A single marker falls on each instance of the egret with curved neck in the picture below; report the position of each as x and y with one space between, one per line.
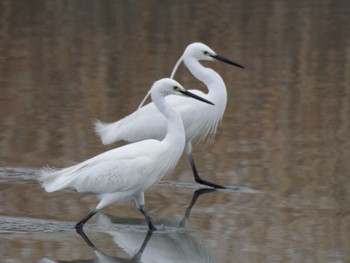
203 121
125 173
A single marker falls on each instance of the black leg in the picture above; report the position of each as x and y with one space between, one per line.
86 239
79 225
197 178
150 224
138 255
196 195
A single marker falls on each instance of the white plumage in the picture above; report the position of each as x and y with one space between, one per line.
200 120
126 172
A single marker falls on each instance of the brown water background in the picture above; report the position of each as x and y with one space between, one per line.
284 139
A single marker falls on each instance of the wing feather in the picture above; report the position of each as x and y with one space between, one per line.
199 121
116 170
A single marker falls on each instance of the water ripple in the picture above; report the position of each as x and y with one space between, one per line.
15 173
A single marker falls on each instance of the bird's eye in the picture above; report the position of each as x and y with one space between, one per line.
176 88
205 52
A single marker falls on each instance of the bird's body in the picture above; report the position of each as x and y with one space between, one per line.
126 172
143 120
200 124
108 174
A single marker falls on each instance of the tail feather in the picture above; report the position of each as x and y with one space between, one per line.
106 131
57 179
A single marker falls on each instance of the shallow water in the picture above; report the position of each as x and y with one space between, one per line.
283 146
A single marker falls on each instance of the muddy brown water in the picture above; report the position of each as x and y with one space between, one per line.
283 144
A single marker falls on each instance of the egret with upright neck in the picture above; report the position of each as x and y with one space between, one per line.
200 120
125 173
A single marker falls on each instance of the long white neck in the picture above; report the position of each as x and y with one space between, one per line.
197 69
176 132
217 92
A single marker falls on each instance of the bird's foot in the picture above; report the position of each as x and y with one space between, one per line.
151 226
79 227
207 183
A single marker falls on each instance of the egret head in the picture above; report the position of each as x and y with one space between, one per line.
169 86
200 51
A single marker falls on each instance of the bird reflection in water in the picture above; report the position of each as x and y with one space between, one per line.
173 245
104 258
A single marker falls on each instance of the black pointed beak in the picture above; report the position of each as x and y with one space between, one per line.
226 60
190 94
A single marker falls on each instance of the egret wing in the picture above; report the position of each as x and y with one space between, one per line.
145 123
120 169
148 123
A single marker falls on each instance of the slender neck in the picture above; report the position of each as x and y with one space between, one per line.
176 131
197 69
217 92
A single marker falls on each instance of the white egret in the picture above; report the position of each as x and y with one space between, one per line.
126 172
200 120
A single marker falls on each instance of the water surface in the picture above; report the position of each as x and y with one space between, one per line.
283 144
